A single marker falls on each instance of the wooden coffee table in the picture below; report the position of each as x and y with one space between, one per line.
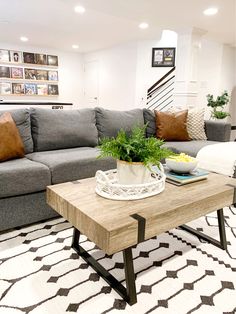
118 225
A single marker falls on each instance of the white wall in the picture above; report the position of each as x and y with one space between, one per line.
70 72
217 72
125 72
117 76
147 75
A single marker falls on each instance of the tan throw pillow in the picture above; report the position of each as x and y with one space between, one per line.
11 145
172 126
196 124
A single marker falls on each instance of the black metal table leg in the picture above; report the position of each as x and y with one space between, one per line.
221 225
130 276
222 244
129 293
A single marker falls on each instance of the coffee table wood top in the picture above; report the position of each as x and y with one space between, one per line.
109 224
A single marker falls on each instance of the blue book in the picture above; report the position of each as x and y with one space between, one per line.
181 179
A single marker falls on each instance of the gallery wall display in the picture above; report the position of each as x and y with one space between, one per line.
27 73
163 57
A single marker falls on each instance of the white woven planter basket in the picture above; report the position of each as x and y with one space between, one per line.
108 186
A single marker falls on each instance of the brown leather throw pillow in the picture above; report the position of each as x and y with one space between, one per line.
11 145
172 126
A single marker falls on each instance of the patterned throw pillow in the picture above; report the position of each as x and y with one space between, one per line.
195 124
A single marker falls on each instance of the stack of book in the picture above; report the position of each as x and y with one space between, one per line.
185 178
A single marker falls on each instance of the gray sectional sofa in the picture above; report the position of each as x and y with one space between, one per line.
61 146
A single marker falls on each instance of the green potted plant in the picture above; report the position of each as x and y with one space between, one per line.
135 154
218 104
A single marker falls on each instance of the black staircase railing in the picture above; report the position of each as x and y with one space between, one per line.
160 94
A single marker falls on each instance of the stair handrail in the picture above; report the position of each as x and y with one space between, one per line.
160 80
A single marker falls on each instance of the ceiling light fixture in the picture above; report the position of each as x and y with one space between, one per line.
23 38
210 11
79 9
143 25
75 46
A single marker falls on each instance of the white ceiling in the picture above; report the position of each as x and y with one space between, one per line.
54 24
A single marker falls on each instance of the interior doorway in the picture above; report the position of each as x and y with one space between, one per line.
91 77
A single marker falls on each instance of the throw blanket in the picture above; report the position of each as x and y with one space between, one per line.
220 158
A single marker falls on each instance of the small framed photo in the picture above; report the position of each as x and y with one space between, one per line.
30 89
16 56
4 55
17 73
30 74
52 75
18 88
163 57
42 75
53 90
52 60
42 89
4 72
40 58
28 57
5 88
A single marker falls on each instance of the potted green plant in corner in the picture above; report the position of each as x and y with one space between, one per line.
218 104
135 154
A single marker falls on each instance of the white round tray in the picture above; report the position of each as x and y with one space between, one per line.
108 186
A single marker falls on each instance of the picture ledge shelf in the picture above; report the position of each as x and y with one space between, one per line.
16 64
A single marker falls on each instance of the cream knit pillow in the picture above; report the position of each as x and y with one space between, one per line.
195 124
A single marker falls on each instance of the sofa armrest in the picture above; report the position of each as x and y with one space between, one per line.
217 131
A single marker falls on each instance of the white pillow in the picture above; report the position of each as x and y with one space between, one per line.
195 124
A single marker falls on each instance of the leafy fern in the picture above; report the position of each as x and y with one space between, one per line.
135 147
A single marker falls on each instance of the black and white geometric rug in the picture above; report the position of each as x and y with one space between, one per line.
176 273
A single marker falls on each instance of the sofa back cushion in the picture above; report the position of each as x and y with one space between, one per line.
150 120
59 129
109 122
21 118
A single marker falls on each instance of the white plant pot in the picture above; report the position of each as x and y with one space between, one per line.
132 173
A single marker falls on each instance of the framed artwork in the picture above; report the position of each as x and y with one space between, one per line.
53 90
17 73
16 56
28 57
42 75
52 60
42 89
52 75
30 89
163 57
30 74
40 58
18 88
5 88
4 55
4 72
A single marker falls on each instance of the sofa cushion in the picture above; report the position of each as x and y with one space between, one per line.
22 121
23 176
59 129
188 147
72 164
109 122
11 145
150 120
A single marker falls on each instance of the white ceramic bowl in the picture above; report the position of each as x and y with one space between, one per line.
181 166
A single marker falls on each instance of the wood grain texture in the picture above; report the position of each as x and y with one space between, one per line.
108 222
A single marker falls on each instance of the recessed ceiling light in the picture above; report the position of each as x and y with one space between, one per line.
23 38
75 46
210 11
143 25
79 9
